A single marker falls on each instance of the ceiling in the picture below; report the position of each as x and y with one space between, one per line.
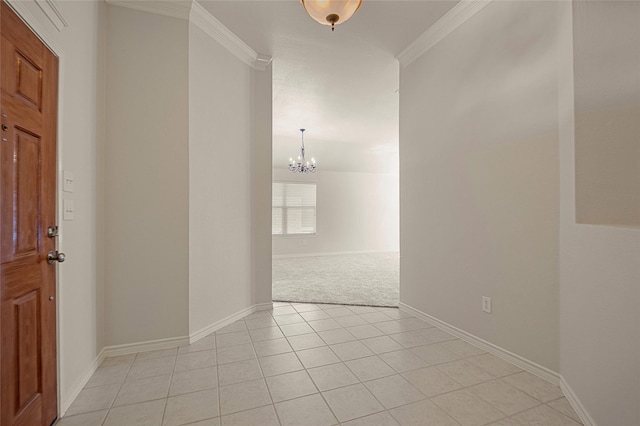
342 86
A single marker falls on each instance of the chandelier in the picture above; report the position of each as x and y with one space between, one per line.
300 166
331 12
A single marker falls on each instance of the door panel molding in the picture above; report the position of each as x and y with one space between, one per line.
39 27
28 154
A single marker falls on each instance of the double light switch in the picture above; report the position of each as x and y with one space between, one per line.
67 186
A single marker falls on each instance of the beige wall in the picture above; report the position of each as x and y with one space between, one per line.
608 165
599 265
356 212
261 150
607 113
146 177
101 129
219 184
479 181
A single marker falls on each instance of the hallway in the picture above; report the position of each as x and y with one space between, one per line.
306 364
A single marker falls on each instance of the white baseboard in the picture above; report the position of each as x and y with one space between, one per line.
126 349
332 253
577 406
525 364
151 345
205 331
264 306
79 384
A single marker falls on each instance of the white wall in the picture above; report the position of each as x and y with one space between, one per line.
355 212
78 298
146 177
599 265
78 304
479 181
219 182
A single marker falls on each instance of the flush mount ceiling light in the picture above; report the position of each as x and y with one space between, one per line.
331 12
301 166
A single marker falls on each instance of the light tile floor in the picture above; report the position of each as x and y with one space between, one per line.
310 364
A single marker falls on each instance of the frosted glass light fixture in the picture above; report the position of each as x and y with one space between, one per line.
331 12
301 165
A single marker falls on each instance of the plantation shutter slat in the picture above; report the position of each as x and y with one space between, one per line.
293 208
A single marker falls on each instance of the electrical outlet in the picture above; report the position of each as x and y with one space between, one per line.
486 304
67 209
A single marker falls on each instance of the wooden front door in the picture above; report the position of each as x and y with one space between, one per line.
27 209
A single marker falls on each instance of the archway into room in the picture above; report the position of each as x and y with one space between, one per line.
340 245
335 231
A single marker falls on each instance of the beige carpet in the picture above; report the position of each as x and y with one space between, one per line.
355 279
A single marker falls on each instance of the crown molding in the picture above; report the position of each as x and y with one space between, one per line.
52 12
44 34
172 8
193 12
200 17
217 31
458 15
262 62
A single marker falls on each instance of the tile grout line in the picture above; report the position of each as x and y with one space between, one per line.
303 366
166 402
215 341
309 375
119 389
125 380
494 378
360 340
400 373
264 379
341 362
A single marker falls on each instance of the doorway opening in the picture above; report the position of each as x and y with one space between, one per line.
335 232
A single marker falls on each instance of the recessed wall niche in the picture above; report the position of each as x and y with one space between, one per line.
606 37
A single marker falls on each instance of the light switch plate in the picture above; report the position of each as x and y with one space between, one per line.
68 210
486 304
67 181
